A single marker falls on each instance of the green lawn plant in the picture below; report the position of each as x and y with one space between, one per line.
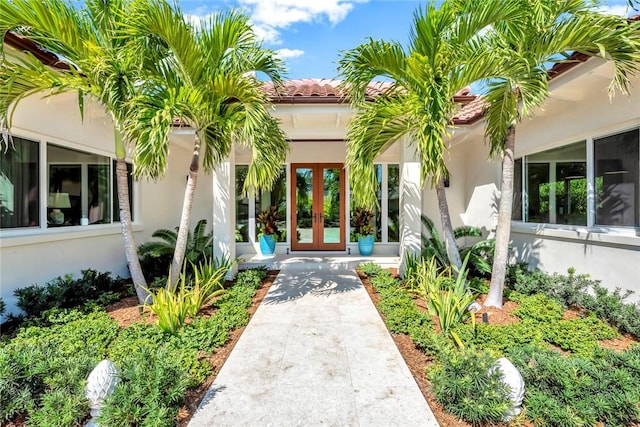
43 369
465 385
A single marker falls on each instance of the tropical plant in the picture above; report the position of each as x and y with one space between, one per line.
541 32
171 307
94 62
207 80
420 102
448 298
207 284
361 222
268 220
480 253
199 245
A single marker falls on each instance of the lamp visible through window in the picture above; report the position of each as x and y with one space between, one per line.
58 201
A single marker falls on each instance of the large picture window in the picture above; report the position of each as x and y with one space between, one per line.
20 185
617 163
77 188
558 189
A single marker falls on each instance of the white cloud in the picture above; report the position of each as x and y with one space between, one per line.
615 9
271 16
289 53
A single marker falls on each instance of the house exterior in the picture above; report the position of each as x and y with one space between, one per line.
577 198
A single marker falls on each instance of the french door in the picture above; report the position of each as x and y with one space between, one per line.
318 206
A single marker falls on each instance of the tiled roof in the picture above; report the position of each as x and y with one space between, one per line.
327 91
310 90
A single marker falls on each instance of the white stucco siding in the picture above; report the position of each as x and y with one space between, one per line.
37 255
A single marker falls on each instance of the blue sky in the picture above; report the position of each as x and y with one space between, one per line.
309 34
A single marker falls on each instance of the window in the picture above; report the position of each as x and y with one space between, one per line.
19 185
242 205
556 186
390 208
277 197
558 191
393 211
617 164
79 187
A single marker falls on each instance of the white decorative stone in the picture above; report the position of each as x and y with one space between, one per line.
511 378
100 384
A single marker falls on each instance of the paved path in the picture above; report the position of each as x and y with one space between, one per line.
316 352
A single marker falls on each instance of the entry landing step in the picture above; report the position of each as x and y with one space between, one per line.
315 261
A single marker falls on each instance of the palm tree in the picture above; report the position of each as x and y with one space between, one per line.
208 82
96 63
542 31
421 102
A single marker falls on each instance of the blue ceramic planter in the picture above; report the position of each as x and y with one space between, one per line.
267 244
365 245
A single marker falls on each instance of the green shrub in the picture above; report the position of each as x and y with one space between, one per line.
537 307
204 334
577 390
251 278
400 311
499 338
463 384
579 291
578 335
427 340
151 389
67 292
43 369
370 269
382 282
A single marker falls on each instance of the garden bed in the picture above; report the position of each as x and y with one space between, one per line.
421 356
179 367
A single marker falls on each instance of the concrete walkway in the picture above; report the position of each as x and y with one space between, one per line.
316 352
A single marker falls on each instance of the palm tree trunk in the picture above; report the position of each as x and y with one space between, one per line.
503 231
130 248
185 219
447 229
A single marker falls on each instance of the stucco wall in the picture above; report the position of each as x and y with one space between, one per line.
36 255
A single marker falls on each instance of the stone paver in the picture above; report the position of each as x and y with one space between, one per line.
315 353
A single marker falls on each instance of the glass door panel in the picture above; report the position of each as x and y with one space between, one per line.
331 212
304 205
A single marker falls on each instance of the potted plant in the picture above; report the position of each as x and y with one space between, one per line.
362 229
268 220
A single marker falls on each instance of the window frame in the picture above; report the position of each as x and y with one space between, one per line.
591 226
70 232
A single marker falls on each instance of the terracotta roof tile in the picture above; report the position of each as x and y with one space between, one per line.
302 89
317 91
